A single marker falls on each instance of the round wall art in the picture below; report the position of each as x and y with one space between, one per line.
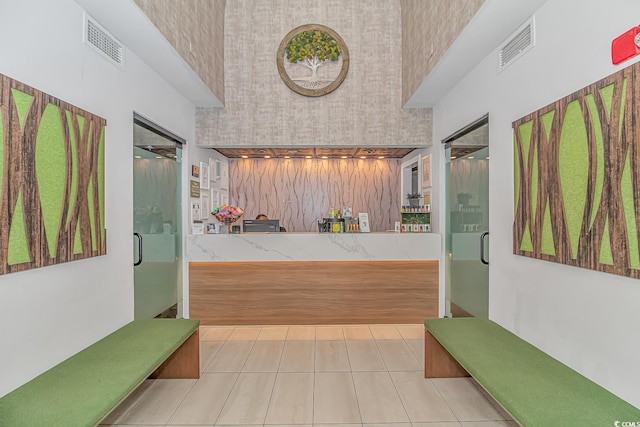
313 60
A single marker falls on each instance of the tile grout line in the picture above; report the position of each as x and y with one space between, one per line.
273 387
353 381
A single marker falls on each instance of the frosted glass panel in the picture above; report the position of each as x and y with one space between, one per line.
156 219
468 208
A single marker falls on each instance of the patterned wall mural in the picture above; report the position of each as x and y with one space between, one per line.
51 180
299 192
577 178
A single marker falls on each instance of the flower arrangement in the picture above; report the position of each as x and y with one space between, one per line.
227 214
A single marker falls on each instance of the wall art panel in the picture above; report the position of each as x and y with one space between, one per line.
300 192
51 180
577 178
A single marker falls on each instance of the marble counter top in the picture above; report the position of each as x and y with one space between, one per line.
314 247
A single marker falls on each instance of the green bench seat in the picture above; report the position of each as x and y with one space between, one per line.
536 389
85 388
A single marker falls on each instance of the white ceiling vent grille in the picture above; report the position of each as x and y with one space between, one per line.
103 42
519 43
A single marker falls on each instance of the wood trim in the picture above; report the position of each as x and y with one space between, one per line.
313 292
438 363
184 362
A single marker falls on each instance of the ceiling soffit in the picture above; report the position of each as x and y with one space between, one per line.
315 152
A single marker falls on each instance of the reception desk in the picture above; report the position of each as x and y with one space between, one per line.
311 278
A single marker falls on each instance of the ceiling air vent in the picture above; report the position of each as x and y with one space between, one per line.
519 43
103 42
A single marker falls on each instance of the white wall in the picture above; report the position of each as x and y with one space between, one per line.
586 319
50 313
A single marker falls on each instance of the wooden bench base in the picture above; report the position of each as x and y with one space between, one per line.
183 363
438 363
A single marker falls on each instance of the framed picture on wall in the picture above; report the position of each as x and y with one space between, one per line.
215 199
214 164
204 175
426 194
426 171
195 171
195 210
205 205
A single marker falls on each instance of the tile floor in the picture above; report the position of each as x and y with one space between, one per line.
311 376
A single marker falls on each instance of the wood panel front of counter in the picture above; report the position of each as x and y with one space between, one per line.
313 292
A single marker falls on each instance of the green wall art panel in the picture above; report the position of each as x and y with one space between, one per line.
577 183
51 180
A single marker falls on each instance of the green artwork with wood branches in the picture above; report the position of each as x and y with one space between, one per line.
577 178
51 180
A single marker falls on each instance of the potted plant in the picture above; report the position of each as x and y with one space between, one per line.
414 199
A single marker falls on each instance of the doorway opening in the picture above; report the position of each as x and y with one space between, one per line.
467 221
156 220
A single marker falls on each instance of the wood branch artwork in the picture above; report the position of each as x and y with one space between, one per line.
577 178
51 180
313 60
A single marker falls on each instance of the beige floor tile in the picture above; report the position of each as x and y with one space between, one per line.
486 424
158 404
249 399
208 350
387 425
505 414
244 334
411 332
378 399
335 399
452 424
331 356
292 399
337 425
364 356
298 356
300 333
203 403
385 332
357 333
264 357
329 333
216 334
116 415
397 356
420 398
231 357
465 400
417 348
273 333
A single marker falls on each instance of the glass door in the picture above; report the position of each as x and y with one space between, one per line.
467 229
156 222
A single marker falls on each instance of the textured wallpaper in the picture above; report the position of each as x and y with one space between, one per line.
429 28
365 110
299 192
195 28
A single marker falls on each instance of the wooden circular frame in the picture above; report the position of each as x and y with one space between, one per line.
293 85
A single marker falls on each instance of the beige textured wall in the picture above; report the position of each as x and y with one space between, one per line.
364 111
428 30
299 192
195 28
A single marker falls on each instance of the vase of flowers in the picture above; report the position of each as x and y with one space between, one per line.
228 214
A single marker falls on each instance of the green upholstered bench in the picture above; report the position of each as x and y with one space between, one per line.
536 389
82 390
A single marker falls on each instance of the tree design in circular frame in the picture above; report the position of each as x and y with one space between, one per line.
317 50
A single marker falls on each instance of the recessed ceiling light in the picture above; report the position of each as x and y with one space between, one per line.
487 157
363 157
471 157
245 157
324 157
138 157
287 157
267 157
381 157
454 157
158 157
343 157
307 157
